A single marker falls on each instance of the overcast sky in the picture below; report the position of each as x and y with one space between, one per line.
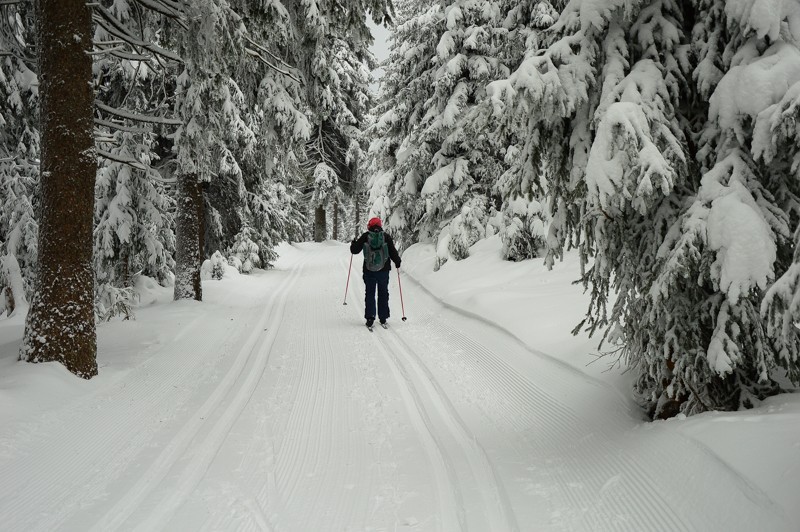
380 47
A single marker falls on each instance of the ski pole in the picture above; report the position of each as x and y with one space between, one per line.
348 279
402 306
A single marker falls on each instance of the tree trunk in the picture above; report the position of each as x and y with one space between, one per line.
189 226
320 224
357 222
357 198
335 235
61 322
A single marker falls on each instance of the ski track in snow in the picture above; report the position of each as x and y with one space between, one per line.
253 356
61 460
294 418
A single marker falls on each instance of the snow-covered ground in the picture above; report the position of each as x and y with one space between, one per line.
269 406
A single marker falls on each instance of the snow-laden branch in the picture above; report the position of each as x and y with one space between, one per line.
268 52
119 159
116 28
272 66
165 7
120 127
133 163
121 113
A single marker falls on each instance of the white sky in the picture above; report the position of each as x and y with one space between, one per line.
380 48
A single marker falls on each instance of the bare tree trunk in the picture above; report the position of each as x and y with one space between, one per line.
61 323
320 224
357 198
335 235
189 225
357 204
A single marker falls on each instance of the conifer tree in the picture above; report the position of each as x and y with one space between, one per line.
663 193
133 212
336 68
60 325
19 156
209 102
437 156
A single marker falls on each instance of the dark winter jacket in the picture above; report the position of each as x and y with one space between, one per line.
357 246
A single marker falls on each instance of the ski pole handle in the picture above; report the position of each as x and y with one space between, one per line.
348 279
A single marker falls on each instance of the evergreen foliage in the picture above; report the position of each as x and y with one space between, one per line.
439 152
655 136
672 203
19 154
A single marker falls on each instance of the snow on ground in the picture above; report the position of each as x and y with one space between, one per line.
269 406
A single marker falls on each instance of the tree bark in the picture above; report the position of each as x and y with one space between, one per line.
357 220
189 226
335 235
356 197
320 224
61 322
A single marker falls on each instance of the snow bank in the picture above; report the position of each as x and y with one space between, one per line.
540 307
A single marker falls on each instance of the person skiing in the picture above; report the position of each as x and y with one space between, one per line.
378 248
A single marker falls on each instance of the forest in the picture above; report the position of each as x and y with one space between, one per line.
657 139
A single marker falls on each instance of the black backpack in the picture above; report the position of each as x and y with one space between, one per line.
376 251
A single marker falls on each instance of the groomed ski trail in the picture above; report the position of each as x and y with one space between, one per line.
223 406
291 417
437 422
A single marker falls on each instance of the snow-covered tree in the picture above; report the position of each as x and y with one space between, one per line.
133 226
133 211
210 103
19 158
437 153
671 203
338 96
60 324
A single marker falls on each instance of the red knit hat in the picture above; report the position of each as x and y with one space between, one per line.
374 222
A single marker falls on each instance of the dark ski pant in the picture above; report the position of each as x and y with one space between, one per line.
379 280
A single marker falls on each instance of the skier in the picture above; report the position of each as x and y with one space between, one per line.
378 248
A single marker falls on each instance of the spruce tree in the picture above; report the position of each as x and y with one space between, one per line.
60 325
437 154
133 211
19 158
647 155
210 103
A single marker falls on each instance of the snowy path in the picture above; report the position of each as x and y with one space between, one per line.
273 408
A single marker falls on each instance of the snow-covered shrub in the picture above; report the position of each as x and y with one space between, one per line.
244 253
523 233
467 228
236 262
12 286
218 264
215 268
112 301
442 249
